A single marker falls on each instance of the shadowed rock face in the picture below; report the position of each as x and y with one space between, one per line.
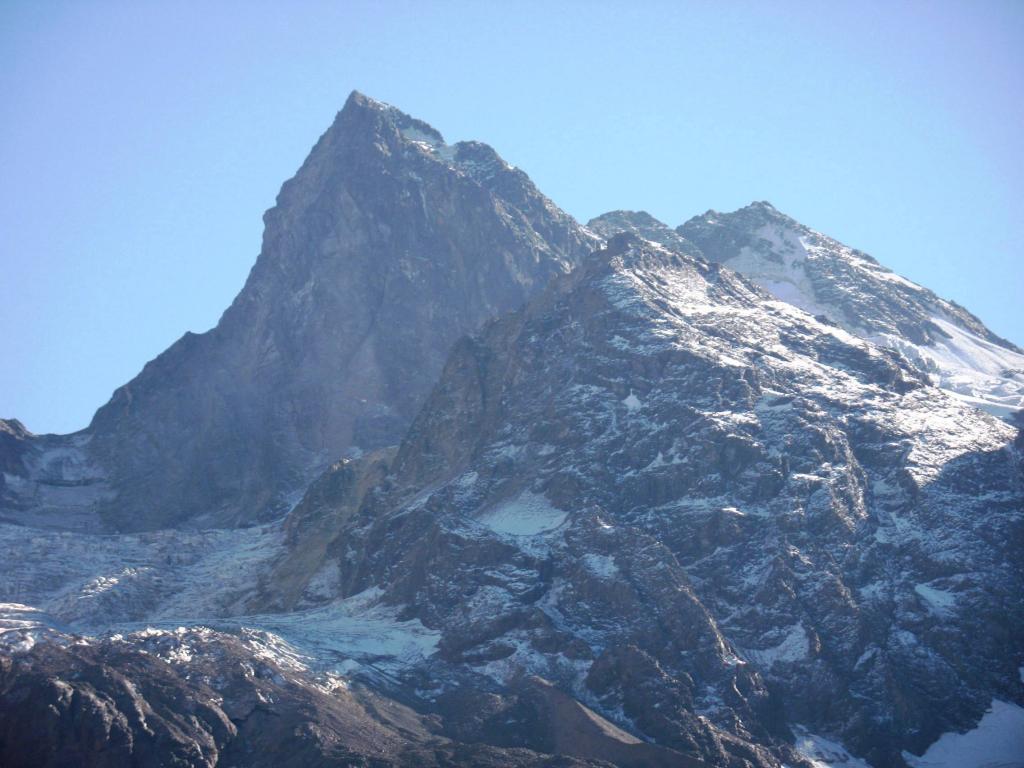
385 247
15 441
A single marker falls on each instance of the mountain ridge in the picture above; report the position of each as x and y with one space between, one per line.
329 347
816 273
579 497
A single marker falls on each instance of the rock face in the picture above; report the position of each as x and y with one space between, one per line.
706 514
386 247
15 441
826 278
654 516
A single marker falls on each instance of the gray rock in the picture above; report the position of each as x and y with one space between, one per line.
711 517
386 247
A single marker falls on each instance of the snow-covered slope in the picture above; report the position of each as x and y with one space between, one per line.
982 372
996 742
826 278
822 276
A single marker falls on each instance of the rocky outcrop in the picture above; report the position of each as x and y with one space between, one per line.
326 509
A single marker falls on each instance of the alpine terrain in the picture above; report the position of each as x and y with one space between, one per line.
457 481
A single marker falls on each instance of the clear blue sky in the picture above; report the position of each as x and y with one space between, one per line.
141 142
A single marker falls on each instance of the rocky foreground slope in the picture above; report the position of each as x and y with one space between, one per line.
655 517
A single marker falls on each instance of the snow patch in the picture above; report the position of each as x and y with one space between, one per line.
793 647
782 273
632 403
416 135
602 566
823 752
21 626
358 632
977 371
996 742
939 601
528 514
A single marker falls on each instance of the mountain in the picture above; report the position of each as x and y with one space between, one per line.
386 247
706 515
651 515
824 277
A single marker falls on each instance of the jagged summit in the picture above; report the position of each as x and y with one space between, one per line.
358 100
758 208
638 218
362 111
764 208
626 251
388 128
642 224
14 427
384 248
820 275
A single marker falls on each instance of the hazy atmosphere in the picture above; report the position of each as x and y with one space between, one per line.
141 143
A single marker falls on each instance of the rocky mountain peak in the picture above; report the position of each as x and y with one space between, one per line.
642 224
764 210
14 428
384 248
827 279
382 114
760 218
